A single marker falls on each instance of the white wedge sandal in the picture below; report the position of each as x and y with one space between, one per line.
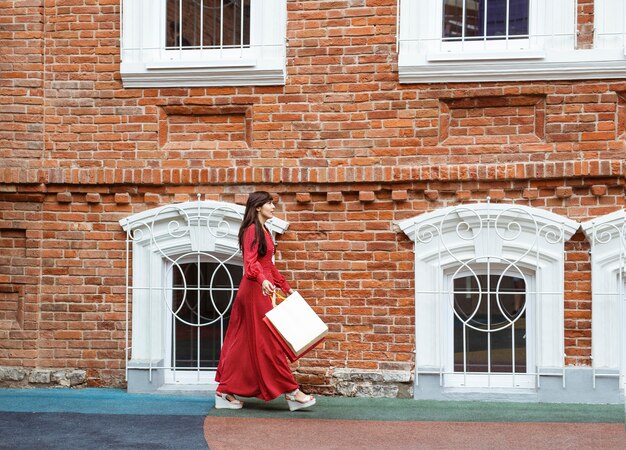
222 401
295 405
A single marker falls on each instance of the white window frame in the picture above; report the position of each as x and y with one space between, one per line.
155 235
494 380
607 236
549 54
147 63
439 249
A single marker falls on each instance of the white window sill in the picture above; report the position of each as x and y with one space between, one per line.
571 65
185 74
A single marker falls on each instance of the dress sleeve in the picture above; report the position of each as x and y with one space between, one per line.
280 280
251 266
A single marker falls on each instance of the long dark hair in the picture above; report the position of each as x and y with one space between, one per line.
255 200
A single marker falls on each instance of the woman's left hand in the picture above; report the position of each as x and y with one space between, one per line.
290 292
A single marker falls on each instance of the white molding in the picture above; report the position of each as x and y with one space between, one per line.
408 226
535 244
607 235
189 78
512 71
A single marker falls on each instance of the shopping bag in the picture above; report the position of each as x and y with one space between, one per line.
296 326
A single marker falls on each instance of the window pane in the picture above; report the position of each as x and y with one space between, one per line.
496 18
519 11
474 14
479 316
189 34
223 23
452 18
213 299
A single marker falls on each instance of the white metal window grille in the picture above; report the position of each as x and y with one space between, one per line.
201 297
213 24
483 20
183 272
489 294
487 309
493 40
607 235
173 43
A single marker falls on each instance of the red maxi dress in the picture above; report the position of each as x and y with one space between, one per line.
252 363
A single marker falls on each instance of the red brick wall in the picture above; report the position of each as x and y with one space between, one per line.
21 83
347 148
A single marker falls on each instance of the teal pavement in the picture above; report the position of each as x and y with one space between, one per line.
101 401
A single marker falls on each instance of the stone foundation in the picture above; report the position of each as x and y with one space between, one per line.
373 383
22 377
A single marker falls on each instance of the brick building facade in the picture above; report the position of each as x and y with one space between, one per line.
349 146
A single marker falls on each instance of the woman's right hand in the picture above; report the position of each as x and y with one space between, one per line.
267 287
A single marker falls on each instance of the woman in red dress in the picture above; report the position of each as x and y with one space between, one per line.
252 363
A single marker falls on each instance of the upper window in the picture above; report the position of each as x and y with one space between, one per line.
203 42
493 40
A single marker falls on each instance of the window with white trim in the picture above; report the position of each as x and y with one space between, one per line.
173 43
489 294
186 269
607 236
493 40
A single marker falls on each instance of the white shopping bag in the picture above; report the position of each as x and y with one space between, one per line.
295 324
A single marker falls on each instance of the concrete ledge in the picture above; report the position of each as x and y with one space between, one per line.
145 380
578 389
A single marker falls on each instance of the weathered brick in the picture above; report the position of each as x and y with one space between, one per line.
334 197
530 193
122 198
564 192
303 197
399 196
599 190
151 198
92 197
64 197
496 194
241 199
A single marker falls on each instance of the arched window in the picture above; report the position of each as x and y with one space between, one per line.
183 274
489 294
607 235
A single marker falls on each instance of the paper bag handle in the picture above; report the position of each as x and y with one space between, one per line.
282 297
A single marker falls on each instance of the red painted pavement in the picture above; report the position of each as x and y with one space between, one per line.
304 434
